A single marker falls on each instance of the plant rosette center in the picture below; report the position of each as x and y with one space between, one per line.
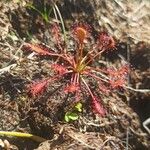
80 68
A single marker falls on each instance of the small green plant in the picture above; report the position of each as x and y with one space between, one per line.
45 13
78 107
77 66
73 115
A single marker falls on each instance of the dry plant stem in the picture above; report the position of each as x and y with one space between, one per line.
127 139
99 53
137 133
81 141
98 70
106 141
62 22
75 78
7 69
10 55
80 51
88 88
23 135
105 78
96 77
84 58
145 125
90 123
55 14
137 90
66 58
18 50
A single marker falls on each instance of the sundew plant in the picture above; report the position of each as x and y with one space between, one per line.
76 62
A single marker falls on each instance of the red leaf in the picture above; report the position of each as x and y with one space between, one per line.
117 83
97 107
59 68
56 32
106 40
38 87
41 50
71 88
118 77
103 88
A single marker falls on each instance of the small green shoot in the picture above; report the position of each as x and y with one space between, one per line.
73 115
22 135
45 13
78 107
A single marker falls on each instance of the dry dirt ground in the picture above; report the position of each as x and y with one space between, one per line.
122 128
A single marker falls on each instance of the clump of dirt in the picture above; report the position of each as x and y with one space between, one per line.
140 78
126 20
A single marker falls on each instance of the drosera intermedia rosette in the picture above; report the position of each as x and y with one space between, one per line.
78 66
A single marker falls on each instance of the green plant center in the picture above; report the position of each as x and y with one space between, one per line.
80 67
